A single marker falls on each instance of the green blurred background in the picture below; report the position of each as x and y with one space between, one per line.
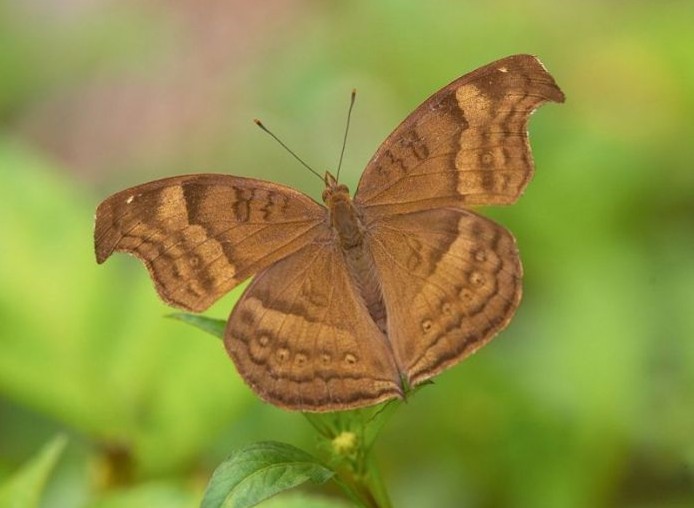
586 400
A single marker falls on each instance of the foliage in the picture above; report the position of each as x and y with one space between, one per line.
24 488
584 401
259 471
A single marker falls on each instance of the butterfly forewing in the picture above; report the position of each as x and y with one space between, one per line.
466 145
201 235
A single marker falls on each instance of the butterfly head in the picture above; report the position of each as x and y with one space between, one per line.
334 191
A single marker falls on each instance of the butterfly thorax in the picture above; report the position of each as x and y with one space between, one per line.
344 217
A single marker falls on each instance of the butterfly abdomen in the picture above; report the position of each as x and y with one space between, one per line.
360 264
349 231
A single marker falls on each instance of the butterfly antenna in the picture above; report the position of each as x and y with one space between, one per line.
260 124
344 140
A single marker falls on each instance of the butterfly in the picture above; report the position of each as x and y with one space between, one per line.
356 300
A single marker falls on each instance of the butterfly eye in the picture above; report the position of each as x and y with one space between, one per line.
343 188
326 194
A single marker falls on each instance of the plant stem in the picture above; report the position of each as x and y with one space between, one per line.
363 482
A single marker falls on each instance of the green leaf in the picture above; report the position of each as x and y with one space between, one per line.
23 489
260 471
206 324
302 500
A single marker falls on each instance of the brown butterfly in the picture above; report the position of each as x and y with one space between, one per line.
354 301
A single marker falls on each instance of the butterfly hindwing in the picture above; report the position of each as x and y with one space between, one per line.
302 338
451 280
